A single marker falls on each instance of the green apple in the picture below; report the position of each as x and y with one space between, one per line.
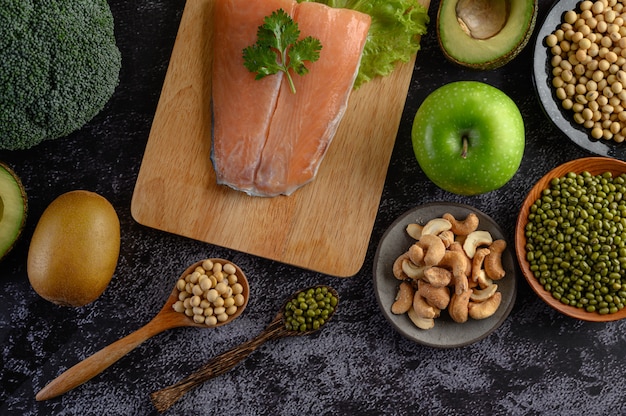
468 137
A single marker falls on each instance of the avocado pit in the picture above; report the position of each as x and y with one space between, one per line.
482 19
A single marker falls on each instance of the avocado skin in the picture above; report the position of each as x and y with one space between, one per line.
24 208
498 60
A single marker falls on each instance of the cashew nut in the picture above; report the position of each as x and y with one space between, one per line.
474 240
422 308
397 267
455 261
493 262
468 225
447 237
439 297
416 254
434 249
458 307
471 284
418 321
457 247
481 295
483 280
477 262
404 299
436 226
414 230
437 276
461 283
412 270
482 310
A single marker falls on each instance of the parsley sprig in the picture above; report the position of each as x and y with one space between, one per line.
278 48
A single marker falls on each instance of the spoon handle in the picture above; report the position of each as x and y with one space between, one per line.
98 362
163 399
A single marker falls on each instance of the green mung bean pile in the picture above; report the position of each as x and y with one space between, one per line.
576 241
310 309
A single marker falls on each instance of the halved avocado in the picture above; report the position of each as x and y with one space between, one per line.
485 34
13 208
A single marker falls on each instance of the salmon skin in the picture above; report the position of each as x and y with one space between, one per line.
266 140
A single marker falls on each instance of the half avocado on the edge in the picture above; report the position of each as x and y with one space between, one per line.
485 34
13 208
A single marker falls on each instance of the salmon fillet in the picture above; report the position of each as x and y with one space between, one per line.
242 107
268 141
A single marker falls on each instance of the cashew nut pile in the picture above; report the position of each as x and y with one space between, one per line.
451 265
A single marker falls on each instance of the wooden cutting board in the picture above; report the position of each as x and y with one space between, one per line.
324 226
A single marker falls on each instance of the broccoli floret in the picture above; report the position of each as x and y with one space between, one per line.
59 66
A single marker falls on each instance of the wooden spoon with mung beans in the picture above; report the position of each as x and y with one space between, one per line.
277 328
167 318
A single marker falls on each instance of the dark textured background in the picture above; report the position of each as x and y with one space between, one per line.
537 362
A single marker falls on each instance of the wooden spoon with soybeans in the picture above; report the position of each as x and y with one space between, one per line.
227 287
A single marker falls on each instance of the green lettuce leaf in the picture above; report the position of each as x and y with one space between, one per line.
394 35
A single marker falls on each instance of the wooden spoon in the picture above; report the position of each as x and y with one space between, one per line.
163 399
167 318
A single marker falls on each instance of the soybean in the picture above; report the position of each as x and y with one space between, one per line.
589 67
571 242
210 294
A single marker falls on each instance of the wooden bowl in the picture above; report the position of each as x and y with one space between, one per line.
595 166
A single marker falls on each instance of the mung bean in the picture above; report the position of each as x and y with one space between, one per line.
310 309
575 254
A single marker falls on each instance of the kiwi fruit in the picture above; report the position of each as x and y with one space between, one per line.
74 250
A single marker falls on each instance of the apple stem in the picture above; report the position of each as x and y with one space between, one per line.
465 145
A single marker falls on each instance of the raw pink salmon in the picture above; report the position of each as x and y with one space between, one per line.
268 141
242 106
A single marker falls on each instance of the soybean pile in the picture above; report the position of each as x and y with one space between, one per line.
589 66
576 241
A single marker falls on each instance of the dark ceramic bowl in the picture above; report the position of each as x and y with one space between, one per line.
446 333
542 78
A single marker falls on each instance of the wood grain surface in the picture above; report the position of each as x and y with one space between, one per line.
324 226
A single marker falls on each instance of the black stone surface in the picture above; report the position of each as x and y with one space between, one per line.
537 362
